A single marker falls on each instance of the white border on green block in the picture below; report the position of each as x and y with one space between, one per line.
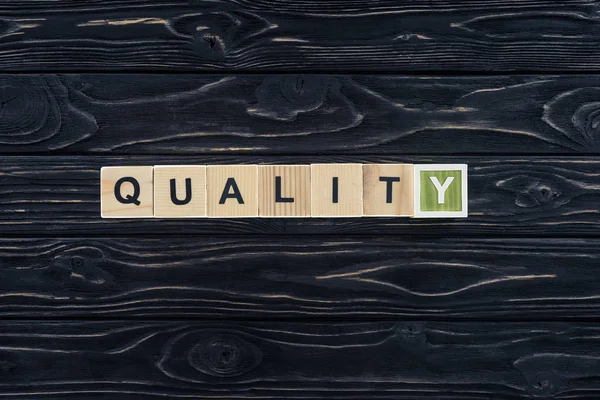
464 191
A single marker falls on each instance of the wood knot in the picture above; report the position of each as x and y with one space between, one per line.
284 97
79 269
548 373
35 112
576 114
412 335
224 355
212 352
216 33
530 191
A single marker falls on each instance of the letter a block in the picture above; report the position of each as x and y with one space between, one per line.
126 192
336 190
284 191
232 191
441 191
179 191
388 190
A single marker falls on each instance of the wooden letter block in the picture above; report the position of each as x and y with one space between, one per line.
179 191
336 190
388 190
232 191
284 191
126 192
441 191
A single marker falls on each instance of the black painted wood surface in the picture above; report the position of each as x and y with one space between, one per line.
502 305
284 35
287 113
376 360
299 277
507 196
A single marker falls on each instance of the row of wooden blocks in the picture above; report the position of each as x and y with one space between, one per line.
317 190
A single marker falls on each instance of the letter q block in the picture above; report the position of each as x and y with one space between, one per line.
126 192
441 191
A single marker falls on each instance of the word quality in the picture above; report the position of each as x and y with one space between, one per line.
317 190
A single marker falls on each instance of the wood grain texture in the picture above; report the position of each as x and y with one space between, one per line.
298 114
194 35
232 191
299 277
383 360
336 190
508 196
291 198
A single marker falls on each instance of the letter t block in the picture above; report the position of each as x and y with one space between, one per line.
388 190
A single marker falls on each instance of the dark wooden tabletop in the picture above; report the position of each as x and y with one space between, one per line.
502 305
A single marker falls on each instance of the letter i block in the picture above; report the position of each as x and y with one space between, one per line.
441 191
388 190
232 191
179 191
284 191
336 190
126 192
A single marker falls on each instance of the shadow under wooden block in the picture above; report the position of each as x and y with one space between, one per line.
336 190
179 191
126 192
388 190
441 191
284 191
232 190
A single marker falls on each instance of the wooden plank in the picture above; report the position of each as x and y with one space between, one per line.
378 360
508 196
182 35
298 114
299 277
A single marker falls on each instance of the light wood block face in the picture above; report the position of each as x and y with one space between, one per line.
336 190
388 190
232 191
126 192
179 191
284 191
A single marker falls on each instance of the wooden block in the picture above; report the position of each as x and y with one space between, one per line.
336 190
388 190
232 190
441 191
284 191
180 191
126 192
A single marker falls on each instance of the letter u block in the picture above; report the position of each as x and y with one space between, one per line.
126 192
179 191
441 191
